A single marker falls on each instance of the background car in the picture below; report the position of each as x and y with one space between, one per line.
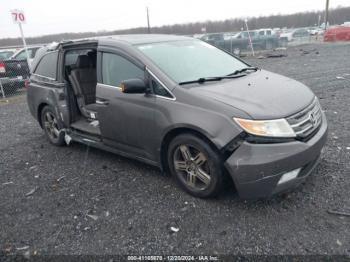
21 54
261 39
5 54
315 31
15 71
294 34
339 33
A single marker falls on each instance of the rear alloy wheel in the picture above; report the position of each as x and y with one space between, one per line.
51 126
195 165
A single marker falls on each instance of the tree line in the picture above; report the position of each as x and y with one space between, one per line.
336 16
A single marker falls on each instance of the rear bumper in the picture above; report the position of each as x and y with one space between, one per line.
256 169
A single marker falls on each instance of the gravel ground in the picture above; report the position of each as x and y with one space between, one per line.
75 200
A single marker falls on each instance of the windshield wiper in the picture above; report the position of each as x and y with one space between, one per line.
208 79
235 74
239 71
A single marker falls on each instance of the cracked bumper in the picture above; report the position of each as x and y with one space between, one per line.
257 168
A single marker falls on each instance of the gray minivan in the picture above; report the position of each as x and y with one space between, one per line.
181 104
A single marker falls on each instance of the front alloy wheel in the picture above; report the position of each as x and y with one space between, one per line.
195 165
192 166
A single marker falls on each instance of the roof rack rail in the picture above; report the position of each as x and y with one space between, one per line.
52 46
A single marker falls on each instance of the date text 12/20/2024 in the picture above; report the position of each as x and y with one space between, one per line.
173 258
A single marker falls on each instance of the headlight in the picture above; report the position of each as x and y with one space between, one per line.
266 128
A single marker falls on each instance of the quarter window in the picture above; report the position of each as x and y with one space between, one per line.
158 89
47 66
116 69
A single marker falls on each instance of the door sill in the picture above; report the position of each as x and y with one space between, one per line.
89 127
97 142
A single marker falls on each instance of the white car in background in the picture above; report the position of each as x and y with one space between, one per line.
21 53
266 32
315 31
294 34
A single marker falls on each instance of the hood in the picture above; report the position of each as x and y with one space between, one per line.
262 95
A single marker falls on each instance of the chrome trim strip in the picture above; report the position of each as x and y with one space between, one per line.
315 112
301 122
173 98
116 87
164 97
50 78
305 130
99 102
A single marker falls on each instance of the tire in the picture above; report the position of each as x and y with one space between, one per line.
196 166
52 126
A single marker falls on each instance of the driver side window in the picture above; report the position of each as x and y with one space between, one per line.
116 69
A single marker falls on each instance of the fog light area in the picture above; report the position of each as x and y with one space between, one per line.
289 176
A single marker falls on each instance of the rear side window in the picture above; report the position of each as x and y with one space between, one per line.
116 69
47 66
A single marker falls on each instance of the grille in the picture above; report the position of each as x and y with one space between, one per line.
308 120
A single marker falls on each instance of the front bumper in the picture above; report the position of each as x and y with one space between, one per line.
257 168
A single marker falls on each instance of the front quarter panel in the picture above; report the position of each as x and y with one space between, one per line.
208 117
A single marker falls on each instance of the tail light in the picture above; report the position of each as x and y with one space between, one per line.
2 68
26 84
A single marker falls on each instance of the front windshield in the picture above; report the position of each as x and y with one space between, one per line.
189 60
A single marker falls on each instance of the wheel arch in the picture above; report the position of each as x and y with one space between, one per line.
171 134
40 109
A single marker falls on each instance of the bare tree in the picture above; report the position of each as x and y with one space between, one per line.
336 16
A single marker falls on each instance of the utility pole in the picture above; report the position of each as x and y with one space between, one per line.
326 15
148 26
250 39
319 20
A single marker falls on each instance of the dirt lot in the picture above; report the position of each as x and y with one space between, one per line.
75 200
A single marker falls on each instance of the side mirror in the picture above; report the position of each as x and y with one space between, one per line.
133 86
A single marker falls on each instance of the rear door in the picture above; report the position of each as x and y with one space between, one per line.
126 120
46 86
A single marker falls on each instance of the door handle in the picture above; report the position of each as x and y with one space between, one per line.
102 102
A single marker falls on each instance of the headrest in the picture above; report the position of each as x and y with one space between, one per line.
92 55
83 61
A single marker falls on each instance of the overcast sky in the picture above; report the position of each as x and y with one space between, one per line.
49 17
